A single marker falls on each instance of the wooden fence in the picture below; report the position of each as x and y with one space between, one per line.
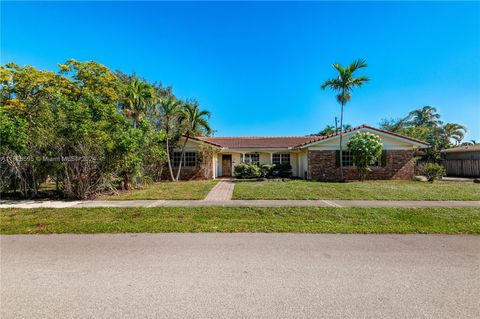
467 168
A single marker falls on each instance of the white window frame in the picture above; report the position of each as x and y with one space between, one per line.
346 153
251 158
283 158
189 159
347 159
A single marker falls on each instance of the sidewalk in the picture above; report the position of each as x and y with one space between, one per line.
237 203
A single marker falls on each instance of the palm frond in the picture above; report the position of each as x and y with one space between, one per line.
358 82
358 64
333 84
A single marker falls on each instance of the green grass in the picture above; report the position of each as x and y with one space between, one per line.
245 219
376 190
167 190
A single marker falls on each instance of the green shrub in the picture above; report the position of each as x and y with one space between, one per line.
245 171
433 171
267 170
282 170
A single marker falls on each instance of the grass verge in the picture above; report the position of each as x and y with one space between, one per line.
231 219
167 190
368 190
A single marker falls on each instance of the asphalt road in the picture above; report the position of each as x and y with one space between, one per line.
240 276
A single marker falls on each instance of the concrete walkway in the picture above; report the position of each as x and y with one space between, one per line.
238 203
222 191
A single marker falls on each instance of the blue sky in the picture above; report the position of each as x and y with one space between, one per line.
258 67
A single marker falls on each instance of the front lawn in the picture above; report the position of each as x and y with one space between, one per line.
376 190
245 219
167 190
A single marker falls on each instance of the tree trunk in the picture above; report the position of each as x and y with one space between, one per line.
181 158
341 140
169 162
125 181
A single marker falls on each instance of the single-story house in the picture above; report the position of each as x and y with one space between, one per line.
311 157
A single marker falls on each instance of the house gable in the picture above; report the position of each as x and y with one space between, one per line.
391 141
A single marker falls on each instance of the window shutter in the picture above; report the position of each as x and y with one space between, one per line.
384 158
337 158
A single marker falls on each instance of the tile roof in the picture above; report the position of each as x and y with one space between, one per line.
283 141
260 141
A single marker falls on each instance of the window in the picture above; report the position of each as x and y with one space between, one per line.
189 159
251 158
278 158
347 158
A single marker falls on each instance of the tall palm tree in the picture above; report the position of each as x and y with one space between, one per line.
139 97
425 116
344 84
170 110
453 131
196 122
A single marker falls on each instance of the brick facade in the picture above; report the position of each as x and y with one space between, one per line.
322 166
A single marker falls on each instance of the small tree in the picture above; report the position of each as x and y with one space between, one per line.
366 148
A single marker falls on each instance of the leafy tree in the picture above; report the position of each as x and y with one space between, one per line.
71 118
13 133
425 124
75 127
88 127
27 96
344 84
195 122
366 148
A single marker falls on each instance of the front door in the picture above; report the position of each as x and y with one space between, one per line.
227 165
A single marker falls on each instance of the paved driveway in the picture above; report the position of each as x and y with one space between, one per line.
240 276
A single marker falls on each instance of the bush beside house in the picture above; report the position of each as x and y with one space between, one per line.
249 171
433 171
